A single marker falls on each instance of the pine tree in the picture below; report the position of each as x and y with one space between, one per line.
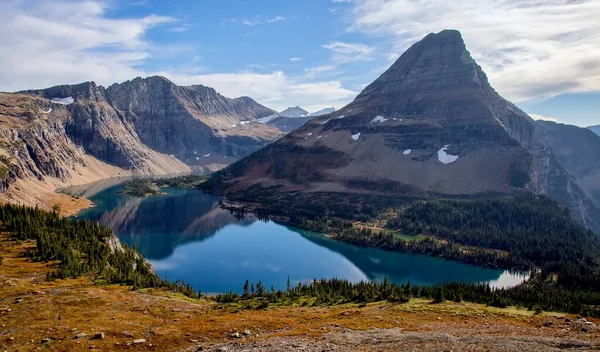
439 295
246 289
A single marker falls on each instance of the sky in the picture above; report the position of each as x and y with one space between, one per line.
542 55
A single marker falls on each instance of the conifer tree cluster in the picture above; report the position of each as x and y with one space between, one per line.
81 247
517 232
536 294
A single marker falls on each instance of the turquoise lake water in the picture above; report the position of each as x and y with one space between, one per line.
186 235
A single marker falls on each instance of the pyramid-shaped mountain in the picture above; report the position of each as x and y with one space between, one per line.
294 112
430 125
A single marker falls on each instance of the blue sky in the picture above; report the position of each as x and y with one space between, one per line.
544 56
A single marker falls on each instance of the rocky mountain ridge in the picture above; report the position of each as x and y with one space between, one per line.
430 125
79 133
595 129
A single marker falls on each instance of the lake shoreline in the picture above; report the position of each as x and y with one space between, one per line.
258 250
247 207
237 207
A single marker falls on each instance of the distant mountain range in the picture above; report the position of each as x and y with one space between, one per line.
323 112
430 126
595 129
292 118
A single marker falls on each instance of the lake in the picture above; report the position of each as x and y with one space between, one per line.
186 235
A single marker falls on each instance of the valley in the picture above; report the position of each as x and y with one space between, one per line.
428 213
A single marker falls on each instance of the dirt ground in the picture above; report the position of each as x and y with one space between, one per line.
76 315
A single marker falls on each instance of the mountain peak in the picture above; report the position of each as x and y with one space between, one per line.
437 64
430 125
294 112
441 51
446 35
158 78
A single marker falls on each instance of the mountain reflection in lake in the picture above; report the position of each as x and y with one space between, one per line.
187 236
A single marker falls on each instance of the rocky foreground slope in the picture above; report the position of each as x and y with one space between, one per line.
430 125
79 133
77 315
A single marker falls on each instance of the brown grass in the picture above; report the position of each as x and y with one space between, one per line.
169 322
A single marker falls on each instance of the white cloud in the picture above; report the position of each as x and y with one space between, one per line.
275 90
275 19
295 59
530 49
179 29
319 69
348 52
48 43
258 21
545 118
64 42
322 72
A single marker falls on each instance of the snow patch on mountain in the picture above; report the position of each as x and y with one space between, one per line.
266 119
445 157
63 101
379 119
356 136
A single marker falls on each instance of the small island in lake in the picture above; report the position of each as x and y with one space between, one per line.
146 187
142 187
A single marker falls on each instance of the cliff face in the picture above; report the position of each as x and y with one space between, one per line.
33 145
577 151
430 125
144 126
195 124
